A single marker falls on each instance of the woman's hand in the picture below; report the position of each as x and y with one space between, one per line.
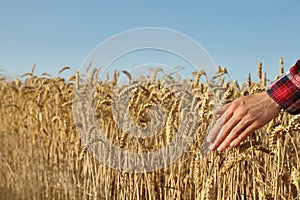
240 118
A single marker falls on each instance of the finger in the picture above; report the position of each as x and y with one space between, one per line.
215 129
225 130
234 133
221 110
213 133
249 130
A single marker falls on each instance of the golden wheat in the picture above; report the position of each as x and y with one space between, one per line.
43 157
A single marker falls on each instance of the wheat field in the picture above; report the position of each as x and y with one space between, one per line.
43 157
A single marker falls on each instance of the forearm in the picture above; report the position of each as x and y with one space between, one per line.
286 90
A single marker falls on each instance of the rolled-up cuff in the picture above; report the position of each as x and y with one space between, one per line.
286 90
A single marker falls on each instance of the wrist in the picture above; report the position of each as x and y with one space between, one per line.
273 103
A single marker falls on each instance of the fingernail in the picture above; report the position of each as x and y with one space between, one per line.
220 149
211 147
232 144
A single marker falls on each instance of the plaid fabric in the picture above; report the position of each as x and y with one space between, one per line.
286 90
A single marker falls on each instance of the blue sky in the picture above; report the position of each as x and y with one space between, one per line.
237 34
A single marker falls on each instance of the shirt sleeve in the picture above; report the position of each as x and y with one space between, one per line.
286 90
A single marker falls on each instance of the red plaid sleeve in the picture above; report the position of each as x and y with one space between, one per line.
286 90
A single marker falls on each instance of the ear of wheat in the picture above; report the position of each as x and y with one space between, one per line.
44 156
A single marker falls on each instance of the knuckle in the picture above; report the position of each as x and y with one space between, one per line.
225 129
238 116
227 116
234 105
252 117
235 133
257 123
243 112
247 122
